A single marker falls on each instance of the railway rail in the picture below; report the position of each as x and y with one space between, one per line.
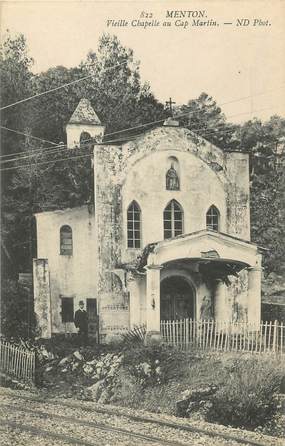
104 424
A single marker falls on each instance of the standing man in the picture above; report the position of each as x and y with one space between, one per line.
81 322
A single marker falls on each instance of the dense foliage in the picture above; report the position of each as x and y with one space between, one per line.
153 364
248 397
17 311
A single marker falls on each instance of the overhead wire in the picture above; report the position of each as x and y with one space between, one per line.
51 90
90 154
27 134
175 117
60 147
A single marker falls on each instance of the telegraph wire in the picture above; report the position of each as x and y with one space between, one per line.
52 151
193 112
28 135
163 119
55 150
51 90
90 154
44 162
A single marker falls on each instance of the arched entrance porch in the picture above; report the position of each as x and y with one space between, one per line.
177 298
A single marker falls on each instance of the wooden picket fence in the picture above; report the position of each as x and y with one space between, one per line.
17 361
225 336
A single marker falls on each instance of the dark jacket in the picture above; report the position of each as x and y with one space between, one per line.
81 320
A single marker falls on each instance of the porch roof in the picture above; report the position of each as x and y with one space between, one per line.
201 247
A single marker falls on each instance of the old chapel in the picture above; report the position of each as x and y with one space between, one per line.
167 236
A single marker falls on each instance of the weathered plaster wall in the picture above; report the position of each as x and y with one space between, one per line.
238 200
42 296
136 171
110 289
207 176
238 296
70 276
73 132
200 188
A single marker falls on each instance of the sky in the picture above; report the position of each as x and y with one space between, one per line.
228 62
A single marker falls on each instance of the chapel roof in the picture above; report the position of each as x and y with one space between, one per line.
84 114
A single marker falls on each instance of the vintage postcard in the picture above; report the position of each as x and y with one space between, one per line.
142 222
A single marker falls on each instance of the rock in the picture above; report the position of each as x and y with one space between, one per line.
93 362
105 397
111 373
146 368
63 361
193 406
88 369
78 355
74 366
96 377
181 407
96 389
202 392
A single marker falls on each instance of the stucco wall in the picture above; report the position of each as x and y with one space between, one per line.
238 199
42 296
137 170
70 276
145 183
110 289
73 132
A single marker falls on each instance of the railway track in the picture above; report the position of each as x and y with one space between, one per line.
104 424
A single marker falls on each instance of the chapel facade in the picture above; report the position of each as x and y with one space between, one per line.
166 238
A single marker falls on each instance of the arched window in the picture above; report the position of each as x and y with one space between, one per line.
85 140
173 220
213 218
66 248
134 225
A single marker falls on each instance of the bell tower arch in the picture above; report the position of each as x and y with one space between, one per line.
83 121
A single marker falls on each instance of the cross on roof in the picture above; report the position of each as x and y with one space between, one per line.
168 105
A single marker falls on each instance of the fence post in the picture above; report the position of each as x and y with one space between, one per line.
187 333
274 336
281 338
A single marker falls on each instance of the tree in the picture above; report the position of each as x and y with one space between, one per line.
114 89
205 118
15 85
262 141
17 310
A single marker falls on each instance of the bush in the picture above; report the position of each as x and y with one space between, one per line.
128 391
154 364
17 311
247 398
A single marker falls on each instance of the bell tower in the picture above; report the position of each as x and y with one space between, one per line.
83 126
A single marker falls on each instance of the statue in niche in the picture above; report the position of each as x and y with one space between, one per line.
206 310
172 180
